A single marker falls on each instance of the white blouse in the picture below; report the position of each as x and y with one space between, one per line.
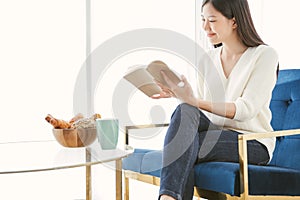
249 86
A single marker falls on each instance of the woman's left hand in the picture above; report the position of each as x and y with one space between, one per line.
183 91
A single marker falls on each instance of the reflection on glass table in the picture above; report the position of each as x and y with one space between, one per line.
35 156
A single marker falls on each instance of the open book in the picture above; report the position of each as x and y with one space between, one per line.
144 77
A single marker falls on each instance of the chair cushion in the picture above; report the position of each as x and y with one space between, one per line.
151 163
144 161
134 161
218 176
263 180
223 176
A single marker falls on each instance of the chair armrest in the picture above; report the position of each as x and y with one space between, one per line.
243 160
256 136
142 126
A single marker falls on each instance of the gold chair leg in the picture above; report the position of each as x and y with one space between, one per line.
126 195
88 178
88 182
119 179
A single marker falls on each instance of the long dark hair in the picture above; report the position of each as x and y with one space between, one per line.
238 9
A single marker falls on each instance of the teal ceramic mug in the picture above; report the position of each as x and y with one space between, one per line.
107 133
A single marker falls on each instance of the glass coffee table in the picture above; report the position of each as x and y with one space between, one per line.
37 156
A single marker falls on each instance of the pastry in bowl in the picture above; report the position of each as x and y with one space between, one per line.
77 132
79 137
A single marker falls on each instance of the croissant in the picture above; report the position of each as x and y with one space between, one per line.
57 123
86 122
96 116
76 118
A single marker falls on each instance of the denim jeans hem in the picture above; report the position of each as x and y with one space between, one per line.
170 193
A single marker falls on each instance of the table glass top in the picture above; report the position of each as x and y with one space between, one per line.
19 157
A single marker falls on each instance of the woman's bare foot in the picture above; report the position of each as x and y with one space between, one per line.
166 197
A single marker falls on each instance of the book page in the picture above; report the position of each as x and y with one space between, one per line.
155 68
142 80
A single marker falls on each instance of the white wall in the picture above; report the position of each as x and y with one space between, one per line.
281 31
276 23
42 48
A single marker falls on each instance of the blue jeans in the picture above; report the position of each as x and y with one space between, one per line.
191 139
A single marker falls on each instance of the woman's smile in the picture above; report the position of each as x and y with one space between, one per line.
210 35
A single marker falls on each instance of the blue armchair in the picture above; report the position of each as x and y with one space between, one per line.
223 180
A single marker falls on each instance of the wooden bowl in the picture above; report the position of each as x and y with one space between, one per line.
75 137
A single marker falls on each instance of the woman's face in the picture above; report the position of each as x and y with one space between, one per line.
218 28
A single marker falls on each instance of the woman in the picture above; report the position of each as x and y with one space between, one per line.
234 97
